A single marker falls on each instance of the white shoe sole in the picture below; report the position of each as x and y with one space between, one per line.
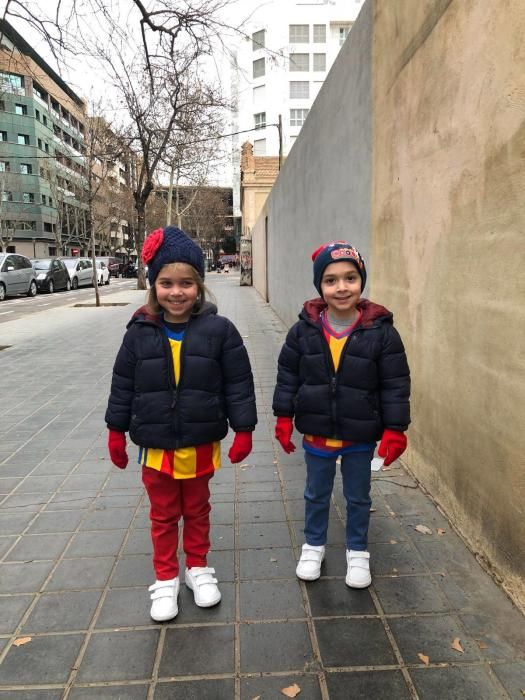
358 585
311 577
165 617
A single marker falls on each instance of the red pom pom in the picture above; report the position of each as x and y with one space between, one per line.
151 245
316 252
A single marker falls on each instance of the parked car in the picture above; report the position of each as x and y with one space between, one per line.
16 276
80 271
113 264
51 275
103 275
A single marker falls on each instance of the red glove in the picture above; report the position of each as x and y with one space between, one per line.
117 449
283 433
241 447
392 445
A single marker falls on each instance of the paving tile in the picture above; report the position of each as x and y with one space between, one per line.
363 685
271 600
34 547
512 677
222 514
271 686
113 692
262 511
65 611
197 651
12 609
223 563
95 544
432 636
189 613
353 642
494 635
31 694
67 500
114 656
125 607
26 577
270 563
81 573
221 537
40 484
107 519
385 529
6 543
139 542
260 653
400 558
219 689
44 660
404 594
264 535
133 570
57 521
14 523
454 683
118 500
329 597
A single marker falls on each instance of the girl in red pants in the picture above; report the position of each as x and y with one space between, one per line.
181 377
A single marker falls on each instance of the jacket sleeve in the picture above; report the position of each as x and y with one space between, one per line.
238 382
118 413
287 376
394 382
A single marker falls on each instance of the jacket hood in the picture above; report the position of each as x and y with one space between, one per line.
143 315
370 312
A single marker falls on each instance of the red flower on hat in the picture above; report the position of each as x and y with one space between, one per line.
152 244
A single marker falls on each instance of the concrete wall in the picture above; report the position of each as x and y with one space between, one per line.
437 208
324 188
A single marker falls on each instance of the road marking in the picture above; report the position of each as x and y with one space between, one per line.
2 313
48 304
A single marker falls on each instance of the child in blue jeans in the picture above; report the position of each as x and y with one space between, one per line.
343 375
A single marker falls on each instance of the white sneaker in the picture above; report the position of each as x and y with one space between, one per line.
164 596
309 566
204 586
358 571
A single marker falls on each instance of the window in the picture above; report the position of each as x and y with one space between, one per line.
3 135
44 120
39 143
44 199
299 89
10 80
39 92
259 68
4 166
51 249
299 62
50 201
11 248
7 196
26 169
259 147
258 96
260 120
2 106
37 114
28 197
21 109
319 33
23 139
258 40
48 228
343 33
299 33
46 147
319 61
298 116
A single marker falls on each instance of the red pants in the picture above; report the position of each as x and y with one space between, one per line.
170 499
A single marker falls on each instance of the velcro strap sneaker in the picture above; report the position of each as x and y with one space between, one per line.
201 581
358 570
309 565
164 595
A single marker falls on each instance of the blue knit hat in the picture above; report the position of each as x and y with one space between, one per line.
170 245
336 251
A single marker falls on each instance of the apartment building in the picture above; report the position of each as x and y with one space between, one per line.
43 209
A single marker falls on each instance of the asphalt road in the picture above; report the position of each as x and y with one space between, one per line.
22 306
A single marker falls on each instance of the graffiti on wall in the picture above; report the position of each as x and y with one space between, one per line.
246 262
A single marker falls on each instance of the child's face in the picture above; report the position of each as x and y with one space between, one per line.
341 288
177 291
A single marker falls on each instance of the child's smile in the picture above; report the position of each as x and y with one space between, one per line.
341 288
177 293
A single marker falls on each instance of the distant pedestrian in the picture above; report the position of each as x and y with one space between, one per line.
343 375
181 375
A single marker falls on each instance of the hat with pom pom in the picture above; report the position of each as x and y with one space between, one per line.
170 245
336 251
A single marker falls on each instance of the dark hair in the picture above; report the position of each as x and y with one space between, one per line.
152 302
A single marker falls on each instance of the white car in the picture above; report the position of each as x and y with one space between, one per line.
103 275
80 271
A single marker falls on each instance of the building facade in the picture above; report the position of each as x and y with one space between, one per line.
43 208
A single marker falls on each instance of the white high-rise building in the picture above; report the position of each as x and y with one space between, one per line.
280 67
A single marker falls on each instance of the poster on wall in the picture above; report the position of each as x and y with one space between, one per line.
246 262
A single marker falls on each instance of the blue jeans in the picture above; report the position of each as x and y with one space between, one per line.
320 473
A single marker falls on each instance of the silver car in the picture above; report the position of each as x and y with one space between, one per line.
80 271
16 276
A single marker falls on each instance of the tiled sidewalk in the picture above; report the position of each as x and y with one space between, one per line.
75 555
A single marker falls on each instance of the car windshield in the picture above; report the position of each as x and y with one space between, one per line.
2 258
71 263
42 264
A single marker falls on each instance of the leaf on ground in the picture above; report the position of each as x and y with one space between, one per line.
393 541
20 642
291 691
275 461
243 466
456 645
424 659
440 531
482 644
373 510
423 529
257 697
273 559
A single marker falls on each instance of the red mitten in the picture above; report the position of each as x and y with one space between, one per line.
241 447
283 433
117 449
392 445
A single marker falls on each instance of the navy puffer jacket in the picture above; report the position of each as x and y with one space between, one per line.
368 393
215 387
